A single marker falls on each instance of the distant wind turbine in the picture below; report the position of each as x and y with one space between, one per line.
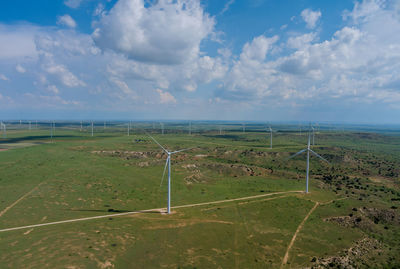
4 129
270 131
168 163
51 131
92 128
308 149
313 135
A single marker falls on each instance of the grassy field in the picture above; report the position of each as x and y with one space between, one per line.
356 221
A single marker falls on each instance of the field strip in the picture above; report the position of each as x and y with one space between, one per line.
229 145
19 200
286 257
142 211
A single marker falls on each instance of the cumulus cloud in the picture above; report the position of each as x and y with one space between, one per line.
17 41
311 17
166 32
257 49
166 97
20 69
73 3
53 89
359 63
66 20
3 77
301 41
65 76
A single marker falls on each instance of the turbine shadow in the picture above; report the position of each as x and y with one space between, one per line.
114 211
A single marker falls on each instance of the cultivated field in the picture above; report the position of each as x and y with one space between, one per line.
236 202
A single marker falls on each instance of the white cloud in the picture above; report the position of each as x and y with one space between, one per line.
99 10
166 32
17 41
301 41
53 89
311 17
20 69
65 76
359 63
226 6
73 3
66 20
166 97
127 92
257 49
3 77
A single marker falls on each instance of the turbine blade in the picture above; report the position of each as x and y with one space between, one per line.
319 156
181 150
298 153
157 143
163 174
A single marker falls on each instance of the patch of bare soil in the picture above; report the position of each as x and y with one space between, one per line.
236 170
3 149
128 154
366 218
352 257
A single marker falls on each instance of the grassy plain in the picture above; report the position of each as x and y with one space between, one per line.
75 175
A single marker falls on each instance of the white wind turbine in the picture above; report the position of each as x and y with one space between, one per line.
168 163
270 131
313 135
4 129
308 149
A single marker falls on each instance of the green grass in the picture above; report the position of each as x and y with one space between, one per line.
83 176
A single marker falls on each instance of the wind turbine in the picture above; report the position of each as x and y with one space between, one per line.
190 127
51 131
308 149
129 127
168 163
4 129
92 128
313 135
244 127
270 131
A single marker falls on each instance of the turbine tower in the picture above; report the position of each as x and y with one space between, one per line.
270 131
51 131
313 135
168 163
309 150
4 129
92 128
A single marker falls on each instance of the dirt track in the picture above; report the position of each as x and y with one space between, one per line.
134 212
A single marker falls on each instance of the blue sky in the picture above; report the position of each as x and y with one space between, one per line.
218 60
